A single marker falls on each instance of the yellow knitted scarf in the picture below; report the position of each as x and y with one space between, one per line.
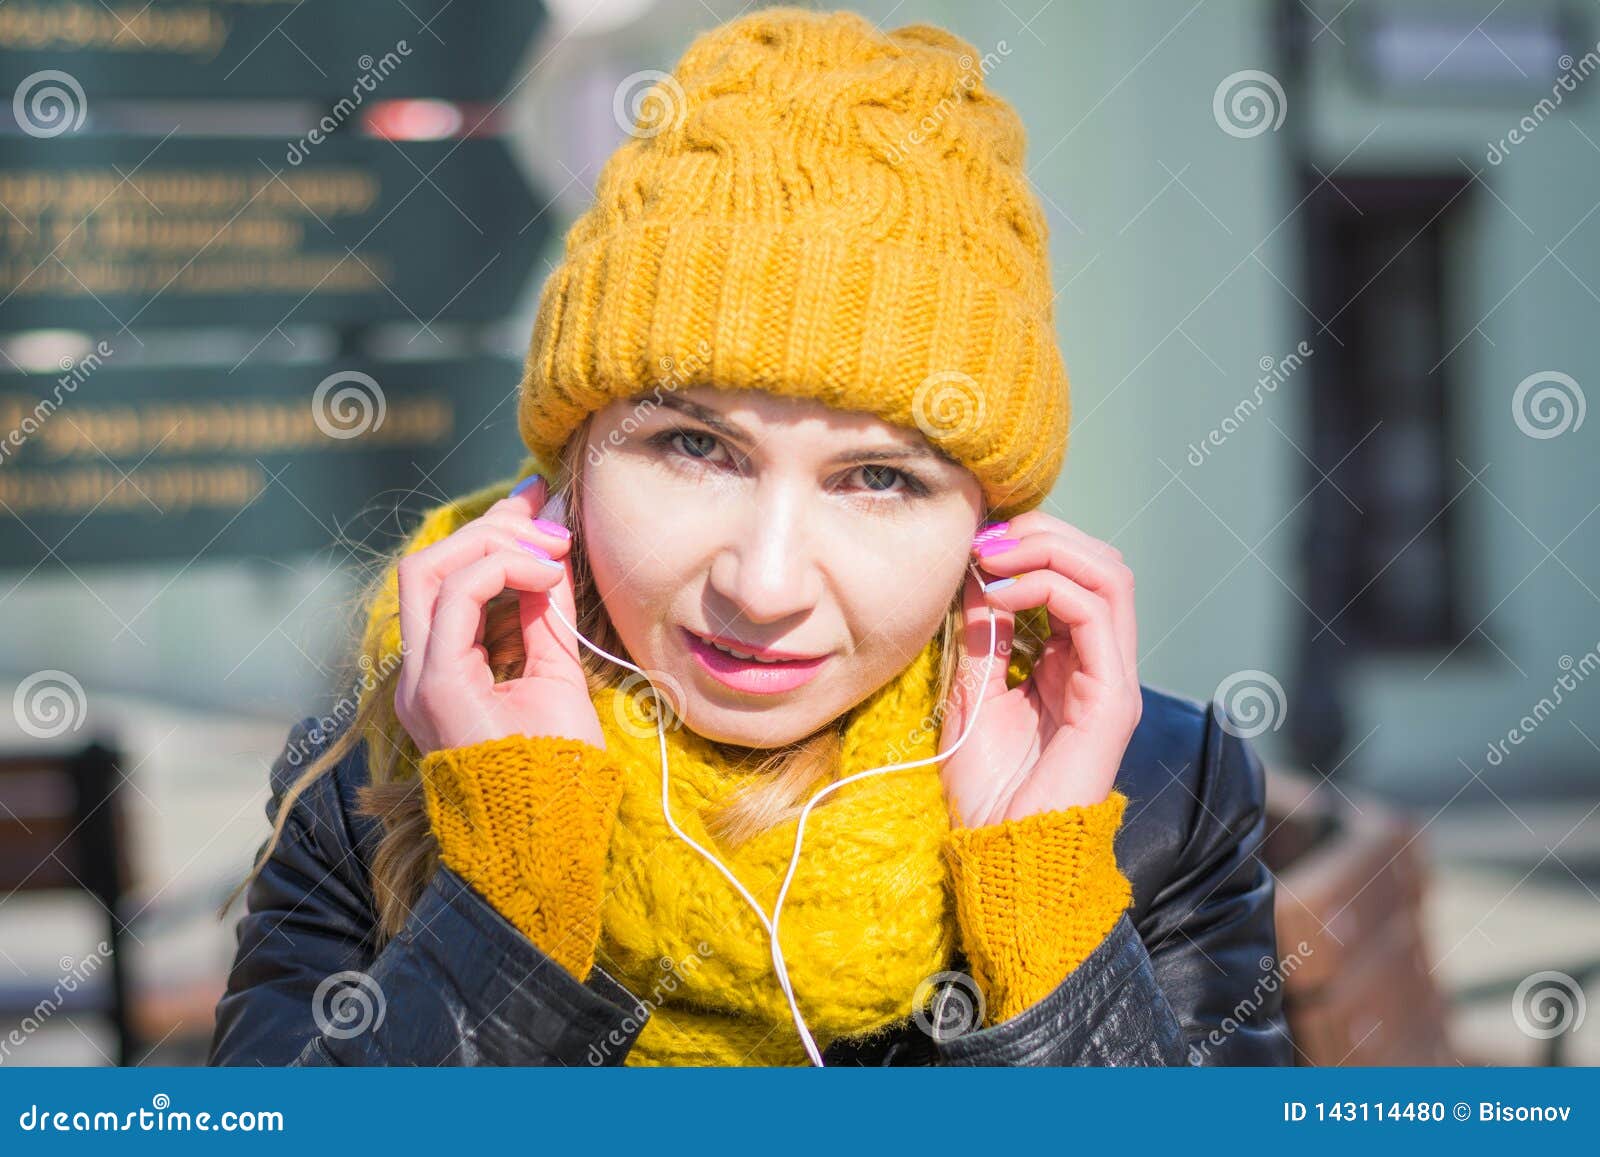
869 915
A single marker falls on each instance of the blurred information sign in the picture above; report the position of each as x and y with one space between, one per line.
104 233
322 50
101 463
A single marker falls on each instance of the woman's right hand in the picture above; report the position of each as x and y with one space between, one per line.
447 696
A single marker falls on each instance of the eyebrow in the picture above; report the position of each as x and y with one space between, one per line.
897 452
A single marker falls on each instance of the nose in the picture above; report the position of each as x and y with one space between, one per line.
767 571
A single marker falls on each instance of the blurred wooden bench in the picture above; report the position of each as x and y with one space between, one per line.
63 828
1352 881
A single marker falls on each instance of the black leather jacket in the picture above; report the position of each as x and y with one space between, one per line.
1186 976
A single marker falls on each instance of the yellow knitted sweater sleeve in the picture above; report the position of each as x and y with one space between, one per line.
1034 897
527 822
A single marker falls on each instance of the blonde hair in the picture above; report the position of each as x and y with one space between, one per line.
407 854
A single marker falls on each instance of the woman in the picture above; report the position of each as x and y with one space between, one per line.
785 555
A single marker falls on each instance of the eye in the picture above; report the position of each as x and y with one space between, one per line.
700 445
880 479
694 445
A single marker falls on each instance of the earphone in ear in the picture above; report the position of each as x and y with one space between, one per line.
771 923
555 508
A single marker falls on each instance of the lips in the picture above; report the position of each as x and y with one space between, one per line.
753 675
769 654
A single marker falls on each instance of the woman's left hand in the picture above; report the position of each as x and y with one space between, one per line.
1055 740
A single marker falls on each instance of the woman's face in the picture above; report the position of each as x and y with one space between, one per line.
770 524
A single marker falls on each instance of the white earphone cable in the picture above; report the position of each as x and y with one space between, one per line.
771 924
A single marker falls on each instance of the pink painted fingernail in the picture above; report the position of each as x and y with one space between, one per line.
554 528
989 531
996 546
539 553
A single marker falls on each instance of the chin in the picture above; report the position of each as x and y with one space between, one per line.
755 728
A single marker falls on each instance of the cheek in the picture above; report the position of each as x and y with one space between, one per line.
637 568
900 584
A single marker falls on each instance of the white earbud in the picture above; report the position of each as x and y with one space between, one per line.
771 925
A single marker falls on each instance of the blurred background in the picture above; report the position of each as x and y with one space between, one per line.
1329 283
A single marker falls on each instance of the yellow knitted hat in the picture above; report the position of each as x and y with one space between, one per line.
815 208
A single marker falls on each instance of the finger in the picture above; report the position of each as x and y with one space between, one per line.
527 514
1076 615
453 633
545 640
970 687
1038 522
419 576
1079 558
498 527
